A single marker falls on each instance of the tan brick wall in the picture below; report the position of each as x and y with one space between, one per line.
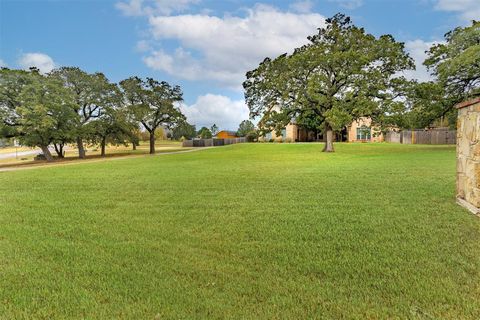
468 154
376 135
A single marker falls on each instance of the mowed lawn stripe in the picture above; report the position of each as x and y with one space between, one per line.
243 231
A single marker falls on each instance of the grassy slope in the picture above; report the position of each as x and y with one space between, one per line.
244 231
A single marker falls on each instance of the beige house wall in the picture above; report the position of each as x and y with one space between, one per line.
376 135
468 155
294 133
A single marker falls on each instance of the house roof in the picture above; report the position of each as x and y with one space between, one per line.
232 133
467 103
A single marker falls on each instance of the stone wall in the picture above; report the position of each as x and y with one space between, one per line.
468 155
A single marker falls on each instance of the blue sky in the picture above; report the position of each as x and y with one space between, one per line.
205 46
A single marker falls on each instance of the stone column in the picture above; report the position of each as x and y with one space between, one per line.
468 155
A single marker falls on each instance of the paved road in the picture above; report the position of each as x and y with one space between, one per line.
76 162
20 154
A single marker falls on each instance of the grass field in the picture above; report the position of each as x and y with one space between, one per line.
249 231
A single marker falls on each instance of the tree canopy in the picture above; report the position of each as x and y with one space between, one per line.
184 130
204 133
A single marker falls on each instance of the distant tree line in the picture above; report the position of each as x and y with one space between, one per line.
69 105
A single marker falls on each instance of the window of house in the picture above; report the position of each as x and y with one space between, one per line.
268 136
284 134
364 133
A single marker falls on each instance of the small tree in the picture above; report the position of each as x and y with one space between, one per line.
204 133
114 127
152 103
245 128
185 130
214 129
160 133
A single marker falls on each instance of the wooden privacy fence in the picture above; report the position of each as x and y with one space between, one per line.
212 142
434 136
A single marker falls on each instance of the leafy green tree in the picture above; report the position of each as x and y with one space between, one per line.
185 130
342 74
114 126
204 133
456 63
93 93
214 129
12 83
153 104
45 114
246 128
456 67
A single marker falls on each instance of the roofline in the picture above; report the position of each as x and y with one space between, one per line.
467 103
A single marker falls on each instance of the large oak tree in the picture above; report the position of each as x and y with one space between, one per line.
342 74
93 94
153 104
40 110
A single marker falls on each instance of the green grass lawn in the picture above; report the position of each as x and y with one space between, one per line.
245 231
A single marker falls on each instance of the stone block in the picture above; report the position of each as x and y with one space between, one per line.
461 183
470 128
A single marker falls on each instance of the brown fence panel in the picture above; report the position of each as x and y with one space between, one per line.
212 142
187 143
434 136
218 142
393 137
422 137
406 137
208 142
452 137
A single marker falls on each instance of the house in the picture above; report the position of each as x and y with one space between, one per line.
360 130
225 134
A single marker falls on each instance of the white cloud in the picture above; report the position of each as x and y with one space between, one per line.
302 6
143 46
210 108
39 60
2 64
417 49
152 7
468 9
224 48
348 4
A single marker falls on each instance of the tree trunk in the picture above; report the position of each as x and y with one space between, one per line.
103 144
81 149
329 142
47 153
134 144
152 142
59 149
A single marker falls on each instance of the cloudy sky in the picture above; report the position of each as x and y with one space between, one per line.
206 46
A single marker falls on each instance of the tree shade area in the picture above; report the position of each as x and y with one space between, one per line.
248 231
